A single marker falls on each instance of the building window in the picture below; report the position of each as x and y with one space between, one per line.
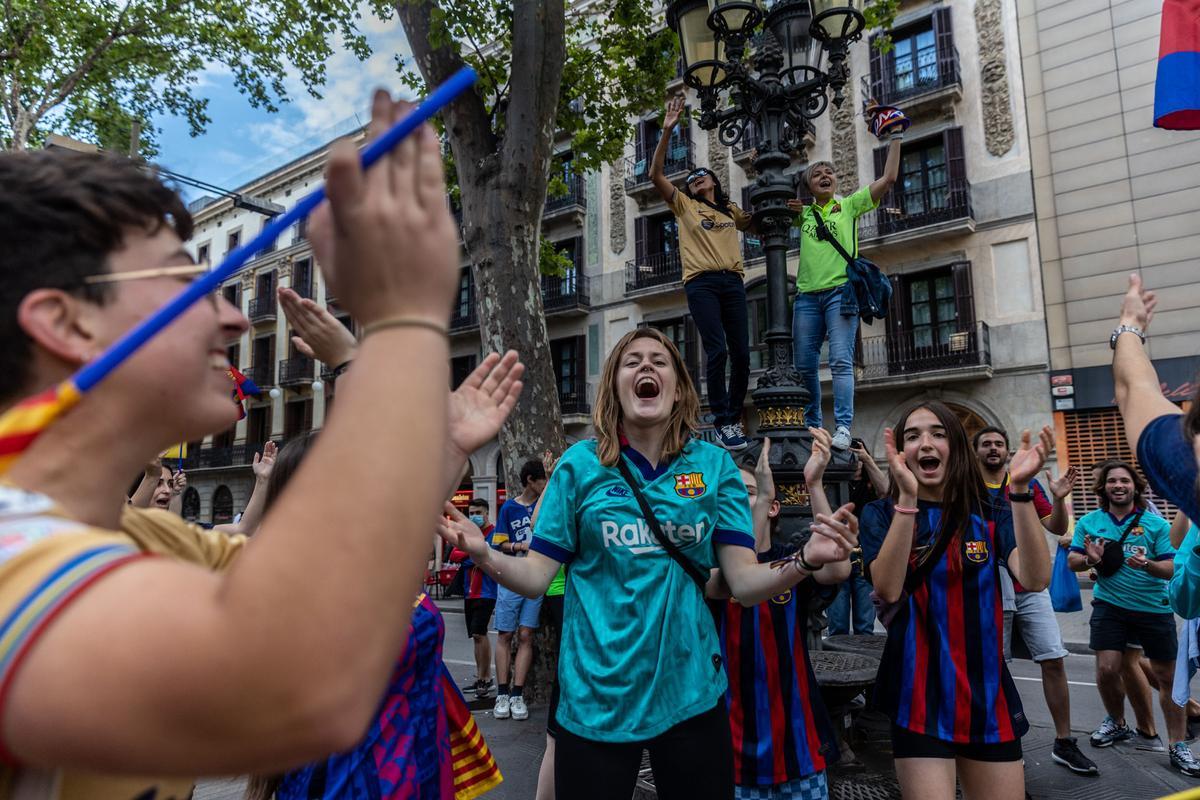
270 247
297 418
682 333
258 426
222 512
922 59
932 186
679 149
466 295
914 57
302 277
657 235
233 293
191 504
933 321
460 368
568 358
264 285
232 242
202 253
234 352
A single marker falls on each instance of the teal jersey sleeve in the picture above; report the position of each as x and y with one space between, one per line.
734 525
1163 551
1083 529
557 532
860 202
1184 590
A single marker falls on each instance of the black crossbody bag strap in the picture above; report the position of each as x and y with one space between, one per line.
825 236
1129 528
672 549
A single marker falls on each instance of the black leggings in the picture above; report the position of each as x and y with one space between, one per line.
691 761
717 303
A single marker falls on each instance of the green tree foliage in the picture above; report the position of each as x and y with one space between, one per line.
90 68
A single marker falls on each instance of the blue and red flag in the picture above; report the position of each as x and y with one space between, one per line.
1177 89
243 387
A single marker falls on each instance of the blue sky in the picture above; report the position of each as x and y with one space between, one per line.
243 142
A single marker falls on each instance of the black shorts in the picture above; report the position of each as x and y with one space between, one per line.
907 744
1116 628
552 610
479 614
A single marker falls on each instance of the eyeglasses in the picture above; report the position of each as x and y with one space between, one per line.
697 175
181 271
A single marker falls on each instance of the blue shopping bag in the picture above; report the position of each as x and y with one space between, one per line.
1064 587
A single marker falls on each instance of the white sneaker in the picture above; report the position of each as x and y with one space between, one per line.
503 707
841 438
519 709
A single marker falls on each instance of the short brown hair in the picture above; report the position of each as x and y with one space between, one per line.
62 214
685 415
1139 484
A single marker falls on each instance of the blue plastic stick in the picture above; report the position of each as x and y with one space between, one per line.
97 370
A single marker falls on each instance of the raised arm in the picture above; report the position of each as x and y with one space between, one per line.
814 472
760 507
529 575
252 514
1030 561
890 567
282 659
834 536
1060 489
144 494
178 484
1139 394
879 481
658 160
891 170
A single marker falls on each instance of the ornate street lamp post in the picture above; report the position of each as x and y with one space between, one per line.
759 67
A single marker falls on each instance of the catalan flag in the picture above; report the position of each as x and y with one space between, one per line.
1177 87
475 770
26 420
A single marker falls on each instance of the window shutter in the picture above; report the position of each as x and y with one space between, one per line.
877 71
943 32
308 416
956 164
578 382
577 253
964 295
639 141
640 234
899 310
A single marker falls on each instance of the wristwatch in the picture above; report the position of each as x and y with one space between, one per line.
1112 340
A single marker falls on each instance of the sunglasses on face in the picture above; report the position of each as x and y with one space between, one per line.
695 176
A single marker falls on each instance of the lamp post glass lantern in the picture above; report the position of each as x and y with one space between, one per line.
777 87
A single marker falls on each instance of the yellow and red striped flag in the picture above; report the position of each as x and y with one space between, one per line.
24 422
475 770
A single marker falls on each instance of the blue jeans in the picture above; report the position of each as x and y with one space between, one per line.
717 303
816 315
857 589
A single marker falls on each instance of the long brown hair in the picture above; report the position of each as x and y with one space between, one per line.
964 492
607 417
1139 483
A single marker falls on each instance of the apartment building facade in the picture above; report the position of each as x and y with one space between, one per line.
1114 196
957 237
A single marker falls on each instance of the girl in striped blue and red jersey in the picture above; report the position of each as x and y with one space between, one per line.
782 737
954 708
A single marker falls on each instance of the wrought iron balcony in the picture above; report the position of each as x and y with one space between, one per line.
464 319
218 457
263 375
574 401
573 202
295 371
918 355
752 247
262 308
921 212
678 161
568 293
652 271
920 87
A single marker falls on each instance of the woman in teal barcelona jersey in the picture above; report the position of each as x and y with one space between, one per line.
640 664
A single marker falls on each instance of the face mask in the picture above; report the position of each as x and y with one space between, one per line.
477 519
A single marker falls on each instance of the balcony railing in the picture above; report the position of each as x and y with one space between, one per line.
295 371
565 293
574 401
659 269
575 198
907 354
262 308
263 375
907 211
216 457
747 143
679 159
891 88
464 319
754 247
304 288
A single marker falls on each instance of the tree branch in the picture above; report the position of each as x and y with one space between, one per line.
466 117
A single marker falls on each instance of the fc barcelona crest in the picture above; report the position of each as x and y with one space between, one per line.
976 551
690 484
